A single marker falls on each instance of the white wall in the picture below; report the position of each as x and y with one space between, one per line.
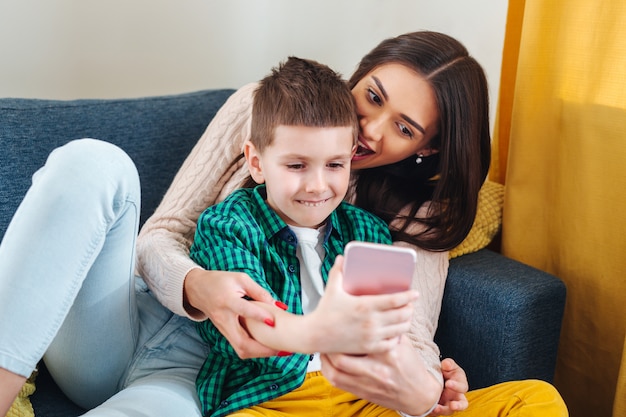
67 49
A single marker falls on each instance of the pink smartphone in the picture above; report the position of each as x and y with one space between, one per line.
374 268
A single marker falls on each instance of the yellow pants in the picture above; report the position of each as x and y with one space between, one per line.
517 398
316 397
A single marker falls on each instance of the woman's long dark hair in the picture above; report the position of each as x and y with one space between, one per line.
451 178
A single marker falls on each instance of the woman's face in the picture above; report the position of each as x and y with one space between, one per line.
398 116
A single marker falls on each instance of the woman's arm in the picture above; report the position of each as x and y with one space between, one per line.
206 176
408 378
433 270
429 281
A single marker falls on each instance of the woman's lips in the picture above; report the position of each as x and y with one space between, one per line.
362 151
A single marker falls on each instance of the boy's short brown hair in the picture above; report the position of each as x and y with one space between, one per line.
301 92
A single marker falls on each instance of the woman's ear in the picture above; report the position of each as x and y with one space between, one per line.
253 158
428 152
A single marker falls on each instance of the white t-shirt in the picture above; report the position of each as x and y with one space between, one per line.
310 253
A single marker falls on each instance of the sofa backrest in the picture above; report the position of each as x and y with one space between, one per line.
157 132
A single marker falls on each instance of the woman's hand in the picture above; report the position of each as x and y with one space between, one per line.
345 323
455 386
219 295
396 379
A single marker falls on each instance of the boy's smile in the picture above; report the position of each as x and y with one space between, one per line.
314 203
306 171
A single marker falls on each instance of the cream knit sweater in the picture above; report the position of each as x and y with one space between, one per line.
211 171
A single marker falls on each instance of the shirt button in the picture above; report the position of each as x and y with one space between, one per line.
224 403
273 387
292 268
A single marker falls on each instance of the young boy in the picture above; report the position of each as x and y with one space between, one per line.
286 234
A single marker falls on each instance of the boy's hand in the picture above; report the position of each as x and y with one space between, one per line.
358 324
223 303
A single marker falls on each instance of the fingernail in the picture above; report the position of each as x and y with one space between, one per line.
269 322
283 353
281 305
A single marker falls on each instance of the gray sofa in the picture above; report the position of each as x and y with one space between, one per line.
500 320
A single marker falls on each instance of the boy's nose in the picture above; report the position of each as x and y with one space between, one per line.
316 183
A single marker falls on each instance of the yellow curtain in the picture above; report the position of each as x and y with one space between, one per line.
619 408
560 145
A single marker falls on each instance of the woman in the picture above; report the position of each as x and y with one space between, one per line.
422 103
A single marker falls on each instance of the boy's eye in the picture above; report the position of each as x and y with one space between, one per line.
295 166
374 98
336 165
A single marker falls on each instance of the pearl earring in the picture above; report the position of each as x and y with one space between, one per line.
419 159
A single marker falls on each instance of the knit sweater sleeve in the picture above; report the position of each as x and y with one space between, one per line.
429 280
208 174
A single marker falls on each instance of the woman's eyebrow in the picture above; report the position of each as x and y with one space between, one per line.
380 87
414 123
404 116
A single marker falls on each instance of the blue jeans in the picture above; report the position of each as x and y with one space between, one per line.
68 292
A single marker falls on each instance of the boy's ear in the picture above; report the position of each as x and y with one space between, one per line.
253 158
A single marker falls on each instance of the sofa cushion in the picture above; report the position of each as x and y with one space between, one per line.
487 222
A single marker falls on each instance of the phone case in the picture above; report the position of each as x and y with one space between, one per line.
373 268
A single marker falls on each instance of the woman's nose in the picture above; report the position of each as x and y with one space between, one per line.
371 128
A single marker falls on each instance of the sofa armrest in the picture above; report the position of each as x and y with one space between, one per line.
500 319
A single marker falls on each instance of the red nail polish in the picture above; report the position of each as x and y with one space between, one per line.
283 353
269 322
281 305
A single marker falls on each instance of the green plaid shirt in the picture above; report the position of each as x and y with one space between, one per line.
244 234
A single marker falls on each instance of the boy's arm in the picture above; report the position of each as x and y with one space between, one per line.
340 323
288 333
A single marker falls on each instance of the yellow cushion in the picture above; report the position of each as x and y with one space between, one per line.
488 220
21 406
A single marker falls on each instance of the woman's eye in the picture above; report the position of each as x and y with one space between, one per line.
374 98
405 130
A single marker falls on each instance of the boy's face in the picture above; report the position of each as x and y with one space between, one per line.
306 171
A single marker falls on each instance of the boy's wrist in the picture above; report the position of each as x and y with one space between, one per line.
310 333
